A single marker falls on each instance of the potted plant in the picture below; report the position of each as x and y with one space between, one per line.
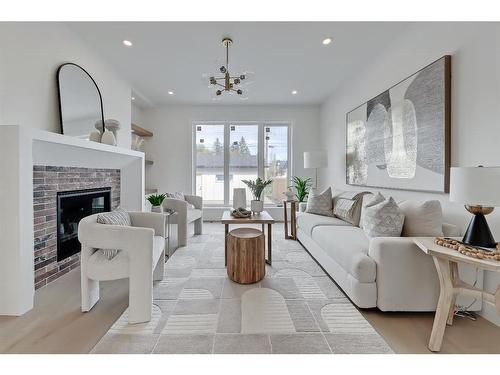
302 187
156 201
257 187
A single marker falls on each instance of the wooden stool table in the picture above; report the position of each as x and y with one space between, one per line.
263 218
446 261
246 258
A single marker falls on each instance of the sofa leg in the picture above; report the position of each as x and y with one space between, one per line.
140 299
90 293
198 226
160 268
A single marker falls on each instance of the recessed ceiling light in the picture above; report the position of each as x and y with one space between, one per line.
170 93
327 41
133 98
127 43
294 92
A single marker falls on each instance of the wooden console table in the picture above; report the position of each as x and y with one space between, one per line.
293 220
446 261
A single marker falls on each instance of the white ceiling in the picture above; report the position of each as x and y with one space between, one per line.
285 56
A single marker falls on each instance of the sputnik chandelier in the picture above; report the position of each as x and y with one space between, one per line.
227 83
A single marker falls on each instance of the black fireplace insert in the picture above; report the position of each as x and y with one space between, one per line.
72 206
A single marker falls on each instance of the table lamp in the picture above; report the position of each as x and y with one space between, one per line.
315 159
478 188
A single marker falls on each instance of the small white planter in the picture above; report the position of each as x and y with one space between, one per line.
158 209
257 206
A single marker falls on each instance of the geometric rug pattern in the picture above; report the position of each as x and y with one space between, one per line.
296 308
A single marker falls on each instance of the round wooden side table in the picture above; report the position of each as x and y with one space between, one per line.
246 259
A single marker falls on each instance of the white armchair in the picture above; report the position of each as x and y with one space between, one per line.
141 259
186 215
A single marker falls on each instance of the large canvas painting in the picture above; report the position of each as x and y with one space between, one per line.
400 138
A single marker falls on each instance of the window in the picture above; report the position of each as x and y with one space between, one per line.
209 151
225 154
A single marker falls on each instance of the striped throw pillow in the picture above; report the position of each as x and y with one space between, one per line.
116 217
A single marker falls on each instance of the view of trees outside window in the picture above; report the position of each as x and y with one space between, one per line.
243 157
210 163
276 162
243 162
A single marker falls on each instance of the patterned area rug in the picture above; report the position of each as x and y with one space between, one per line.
296 308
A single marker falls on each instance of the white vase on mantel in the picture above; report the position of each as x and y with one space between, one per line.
108 138
257 206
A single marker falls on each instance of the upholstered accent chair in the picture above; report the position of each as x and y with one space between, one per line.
141 259
188 210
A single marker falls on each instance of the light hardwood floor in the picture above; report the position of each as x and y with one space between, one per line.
56 324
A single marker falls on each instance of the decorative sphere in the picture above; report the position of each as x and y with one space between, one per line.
223 69
239 91
237 81
218 92
242 77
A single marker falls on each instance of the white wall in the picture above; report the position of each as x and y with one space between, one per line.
171 146
475 51
30 54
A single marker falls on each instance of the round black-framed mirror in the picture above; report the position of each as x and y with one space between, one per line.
80 101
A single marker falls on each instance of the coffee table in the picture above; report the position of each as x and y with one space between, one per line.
263 218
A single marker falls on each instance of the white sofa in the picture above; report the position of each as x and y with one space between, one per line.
186 215
141 259
389 273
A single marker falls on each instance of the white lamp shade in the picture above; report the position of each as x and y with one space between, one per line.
475 186
315 159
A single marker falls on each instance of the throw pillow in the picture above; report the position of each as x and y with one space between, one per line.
176 195
320 204
383 219
116 217
369 200
422 219
347 206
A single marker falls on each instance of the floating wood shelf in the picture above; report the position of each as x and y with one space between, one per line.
136 129
149 162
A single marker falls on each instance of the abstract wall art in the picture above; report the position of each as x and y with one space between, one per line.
400 139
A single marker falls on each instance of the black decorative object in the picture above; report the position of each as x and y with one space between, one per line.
478 232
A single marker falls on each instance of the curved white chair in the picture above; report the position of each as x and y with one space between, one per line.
141 259
186 215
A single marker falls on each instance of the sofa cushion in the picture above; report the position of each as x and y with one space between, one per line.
307 222
366 198
347 246
384 219
320 203
422 219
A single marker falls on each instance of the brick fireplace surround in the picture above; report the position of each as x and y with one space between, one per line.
47 181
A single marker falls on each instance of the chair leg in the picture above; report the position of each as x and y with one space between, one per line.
198 226
140 299
160 268
90 293
182 234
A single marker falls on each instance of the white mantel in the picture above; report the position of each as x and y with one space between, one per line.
20 149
